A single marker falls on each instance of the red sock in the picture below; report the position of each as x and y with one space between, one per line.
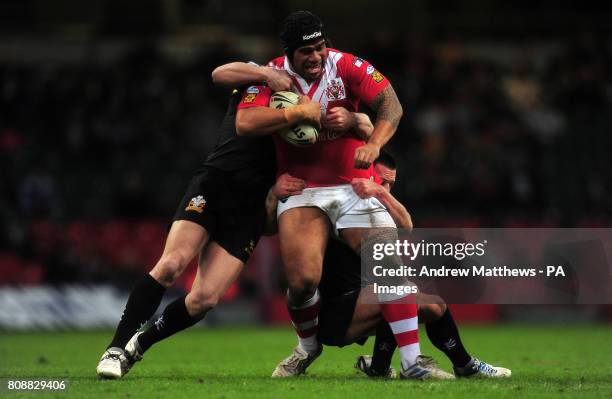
403 320
305 320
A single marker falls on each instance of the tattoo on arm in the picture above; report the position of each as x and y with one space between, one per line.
387 106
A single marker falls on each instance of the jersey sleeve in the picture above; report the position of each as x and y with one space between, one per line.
255 96
363 79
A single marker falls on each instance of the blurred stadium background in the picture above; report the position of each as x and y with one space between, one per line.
107 106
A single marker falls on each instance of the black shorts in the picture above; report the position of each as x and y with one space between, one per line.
335 318
232 211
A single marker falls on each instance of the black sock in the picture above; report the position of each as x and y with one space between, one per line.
384 346
175 318
444 335
141 305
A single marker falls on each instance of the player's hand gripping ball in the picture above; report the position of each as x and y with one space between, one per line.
299 134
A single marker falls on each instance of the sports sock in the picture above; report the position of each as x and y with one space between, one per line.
305 320
141 306
175 318
444 335
403 320
384 346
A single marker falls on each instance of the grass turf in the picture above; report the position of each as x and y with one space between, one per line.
547 362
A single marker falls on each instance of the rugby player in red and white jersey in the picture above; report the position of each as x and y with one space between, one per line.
329 79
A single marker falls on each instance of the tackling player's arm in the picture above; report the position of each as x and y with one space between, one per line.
364 126
366 188
285 186
253 116
340 119
261 120
398 212
236 74
271 227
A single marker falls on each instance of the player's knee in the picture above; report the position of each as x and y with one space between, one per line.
303 278
201 301
437 310
431 307
432 310
169 268
439 306
302 289
427 313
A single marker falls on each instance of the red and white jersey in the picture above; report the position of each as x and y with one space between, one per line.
346 81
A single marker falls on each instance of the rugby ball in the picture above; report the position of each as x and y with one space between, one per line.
300 134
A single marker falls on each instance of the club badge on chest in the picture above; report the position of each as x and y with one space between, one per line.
335 90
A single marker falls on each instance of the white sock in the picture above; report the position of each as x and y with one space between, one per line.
304 319
309 344
409 354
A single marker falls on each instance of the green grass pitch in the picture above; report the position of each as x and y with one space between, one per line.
547 362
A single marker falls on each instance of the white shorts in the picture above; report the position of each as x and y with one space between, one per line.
343 207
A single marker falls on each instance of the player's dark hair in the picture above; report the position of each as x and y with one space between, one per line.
299 29
386 159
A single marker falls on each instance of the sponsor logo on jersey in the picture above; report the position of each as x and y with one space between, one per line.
358 62
369 69
377 77
249 98
335 90
312 35
252 90
196 204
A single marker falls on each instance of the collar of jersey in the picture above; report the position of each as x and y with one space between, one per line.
303 85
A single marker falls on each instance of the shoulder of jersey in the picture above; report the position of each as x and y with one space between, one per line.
278 62
347 62
343 54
